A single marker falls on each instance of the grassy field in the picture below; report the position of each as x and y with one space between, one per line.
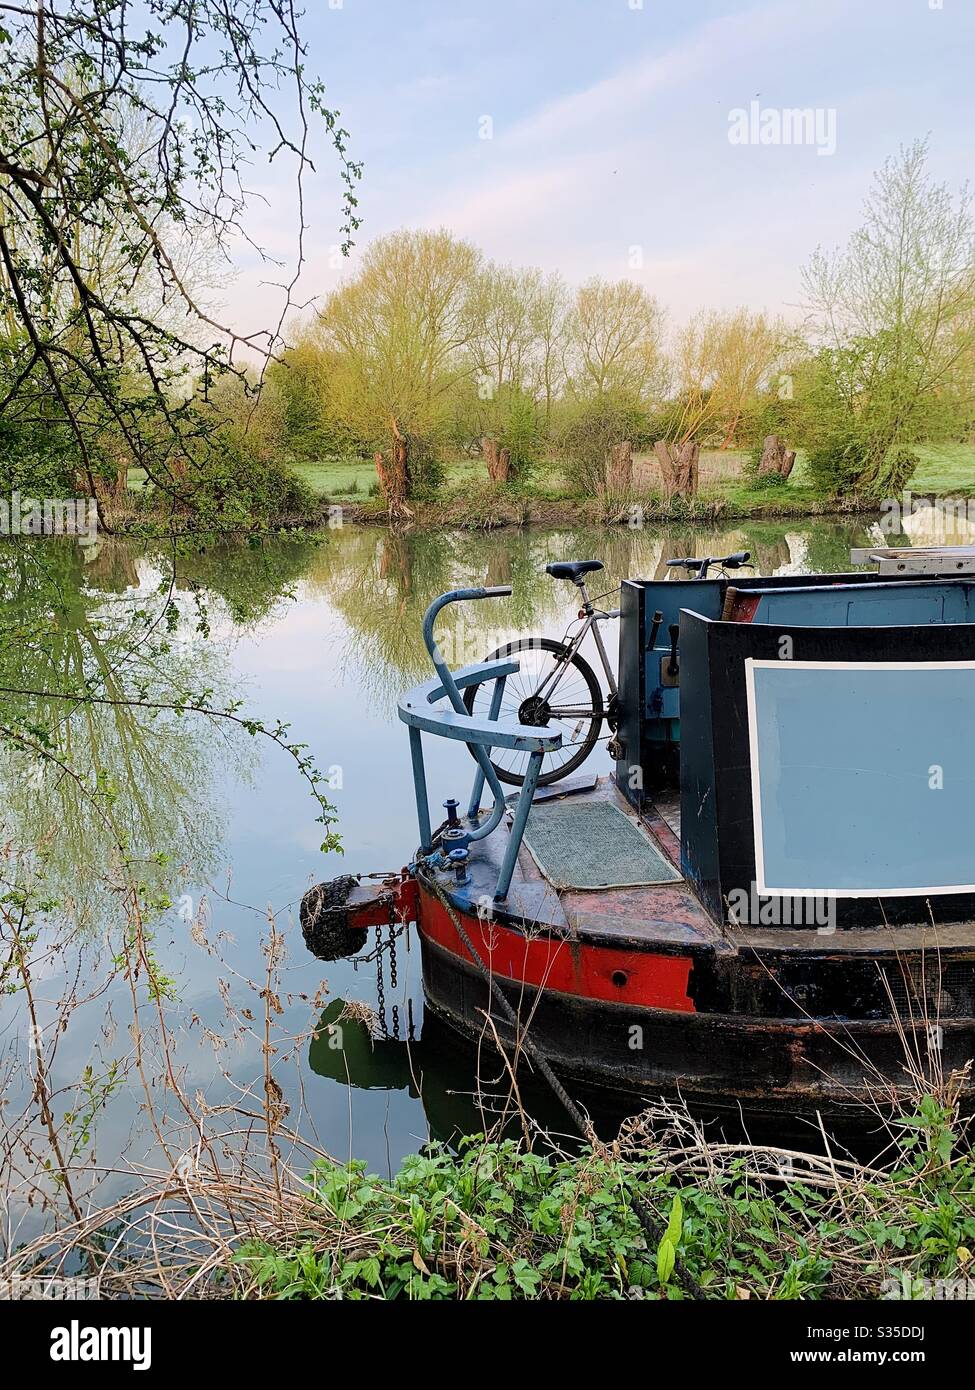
355 478
943 469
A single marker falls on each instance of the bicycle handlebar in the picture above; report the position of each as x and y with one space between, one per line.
731 562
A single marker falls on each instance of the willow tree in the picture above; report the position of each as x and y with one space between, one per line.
512 328
397 331
615 339
615 367
133 128
748 350
894 314
720 364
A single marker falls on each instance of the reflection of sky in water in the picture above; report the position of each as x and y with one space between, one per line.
331 662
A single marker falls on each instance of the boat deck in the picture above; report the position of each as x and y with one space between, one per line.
668 912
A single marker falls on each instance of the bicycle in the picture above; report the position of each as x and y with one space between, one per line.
544 668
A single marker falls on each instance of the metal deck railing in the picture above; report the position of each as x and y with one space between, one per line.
418 710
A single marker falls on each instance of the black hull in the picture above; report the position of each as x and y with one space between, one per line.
718 1061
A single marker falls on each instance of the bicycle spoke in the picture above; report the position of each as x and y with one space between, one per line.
545 692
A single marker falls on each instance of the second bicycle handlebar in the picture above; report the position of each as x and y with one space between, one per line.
735 561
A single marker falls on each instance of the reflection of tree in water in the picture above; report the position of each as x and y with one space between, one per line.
811 546
111 566
829 545
251 576
767 543
382 582
151 770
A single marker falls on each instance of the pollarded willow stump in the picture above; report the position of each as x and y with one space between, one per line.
679 467
498 461
619 469
394 476
776 458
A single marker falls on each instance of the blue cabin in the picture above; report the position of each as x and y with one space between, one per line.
819 729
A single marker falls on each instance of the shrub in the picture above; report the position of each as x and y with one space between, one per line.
588 432
836 464
229 488
522 437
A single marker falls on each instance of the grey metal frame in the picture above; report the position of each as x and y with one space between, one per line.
592 618
480 735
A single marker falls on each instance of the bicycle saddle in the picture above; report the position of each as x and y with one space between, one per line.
572 569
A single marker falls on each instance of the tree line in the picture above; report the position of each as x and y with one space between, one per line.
121 201
431 350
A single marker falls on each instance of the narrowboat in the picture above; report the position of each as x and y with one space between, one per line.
770 901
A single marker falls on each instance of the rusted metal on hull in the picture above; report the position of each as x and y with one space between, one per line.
370 903
721 1029
710 1059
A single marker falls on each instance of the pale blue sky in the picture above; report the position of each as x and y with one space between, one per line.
610 131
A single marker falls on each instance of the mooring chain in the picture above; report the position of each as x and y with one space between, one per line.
652 1227
394 1011
396 928
392 956
380 984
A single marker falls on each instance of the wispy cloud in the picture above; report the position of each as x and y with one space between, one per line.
610 131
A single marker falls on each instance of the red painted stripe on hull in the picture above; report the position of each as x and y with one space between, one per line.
587 971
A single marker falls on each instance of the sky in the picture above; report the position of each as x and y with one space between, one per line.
600 137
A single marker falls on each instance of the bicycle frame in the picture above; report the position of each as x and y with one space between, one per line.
592 617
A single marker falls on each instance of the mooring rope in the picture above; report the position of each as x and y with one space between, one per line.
652 1226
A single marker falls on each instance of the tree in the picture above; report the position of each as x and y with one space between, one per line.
615 370
501 305
591 432
615 333
398 331
894 314
302 377
693 410
748 349
507 308
550 330
123 131
721 363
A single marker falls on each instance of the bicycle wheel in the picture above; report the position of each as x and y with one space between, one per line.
572 704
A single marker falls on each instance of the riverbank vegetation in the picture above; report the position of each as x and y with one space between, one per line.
506 1219
500 1220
